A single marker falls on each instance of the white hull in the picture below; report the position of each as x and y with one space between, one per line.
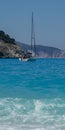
26 59
21 59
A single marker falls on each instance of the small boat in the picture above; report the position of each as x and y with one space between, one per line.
31 54
23 59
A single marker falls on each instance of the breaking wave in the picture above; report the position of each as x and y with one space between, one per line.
32 114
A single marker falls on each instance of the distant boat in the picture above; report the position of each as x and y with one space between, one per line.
24 59
31 54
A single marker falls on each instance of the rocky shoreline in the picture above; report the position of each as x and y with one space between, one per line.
9 50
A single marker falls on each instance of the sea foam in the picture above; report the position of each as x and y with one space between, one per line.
23 114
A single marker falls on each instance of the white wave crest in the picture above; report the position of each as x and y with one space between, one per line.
37 114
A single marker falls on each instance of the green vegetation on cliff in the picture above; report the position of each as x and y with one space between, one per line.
6 38
8 47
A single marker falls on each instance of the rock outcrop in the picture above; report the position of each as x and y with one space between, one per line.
9 50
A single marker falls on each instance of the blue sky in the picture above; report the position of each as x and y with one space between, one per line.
49 20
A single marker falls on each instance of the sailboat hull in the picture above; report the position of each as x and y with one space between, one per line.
21 59
27 59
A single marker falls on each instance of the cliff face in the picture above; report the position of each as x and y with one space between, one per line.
12 49
9 50
49 52
45 51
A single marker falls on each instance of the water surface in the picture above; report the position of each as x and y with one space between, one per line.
32 94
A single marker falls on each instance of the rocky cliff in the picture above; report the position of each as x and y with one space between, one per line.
8 46
9 50
45 51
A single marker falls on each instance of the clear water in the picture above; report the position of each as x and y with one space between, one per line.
32 94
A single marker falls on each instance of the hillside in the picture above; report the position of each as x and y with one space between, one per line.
16 50
10 48
45 51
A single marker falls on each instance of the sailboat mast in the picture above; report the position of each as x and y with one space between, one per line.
34 44
32 33
33 47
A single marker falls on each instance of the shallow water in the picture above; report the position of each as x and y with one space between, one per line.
32 94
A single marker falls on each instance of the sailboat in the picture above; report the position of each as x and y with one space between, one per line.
31 54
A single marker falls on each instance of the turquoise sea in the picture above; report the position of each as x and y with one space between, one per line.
32 94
